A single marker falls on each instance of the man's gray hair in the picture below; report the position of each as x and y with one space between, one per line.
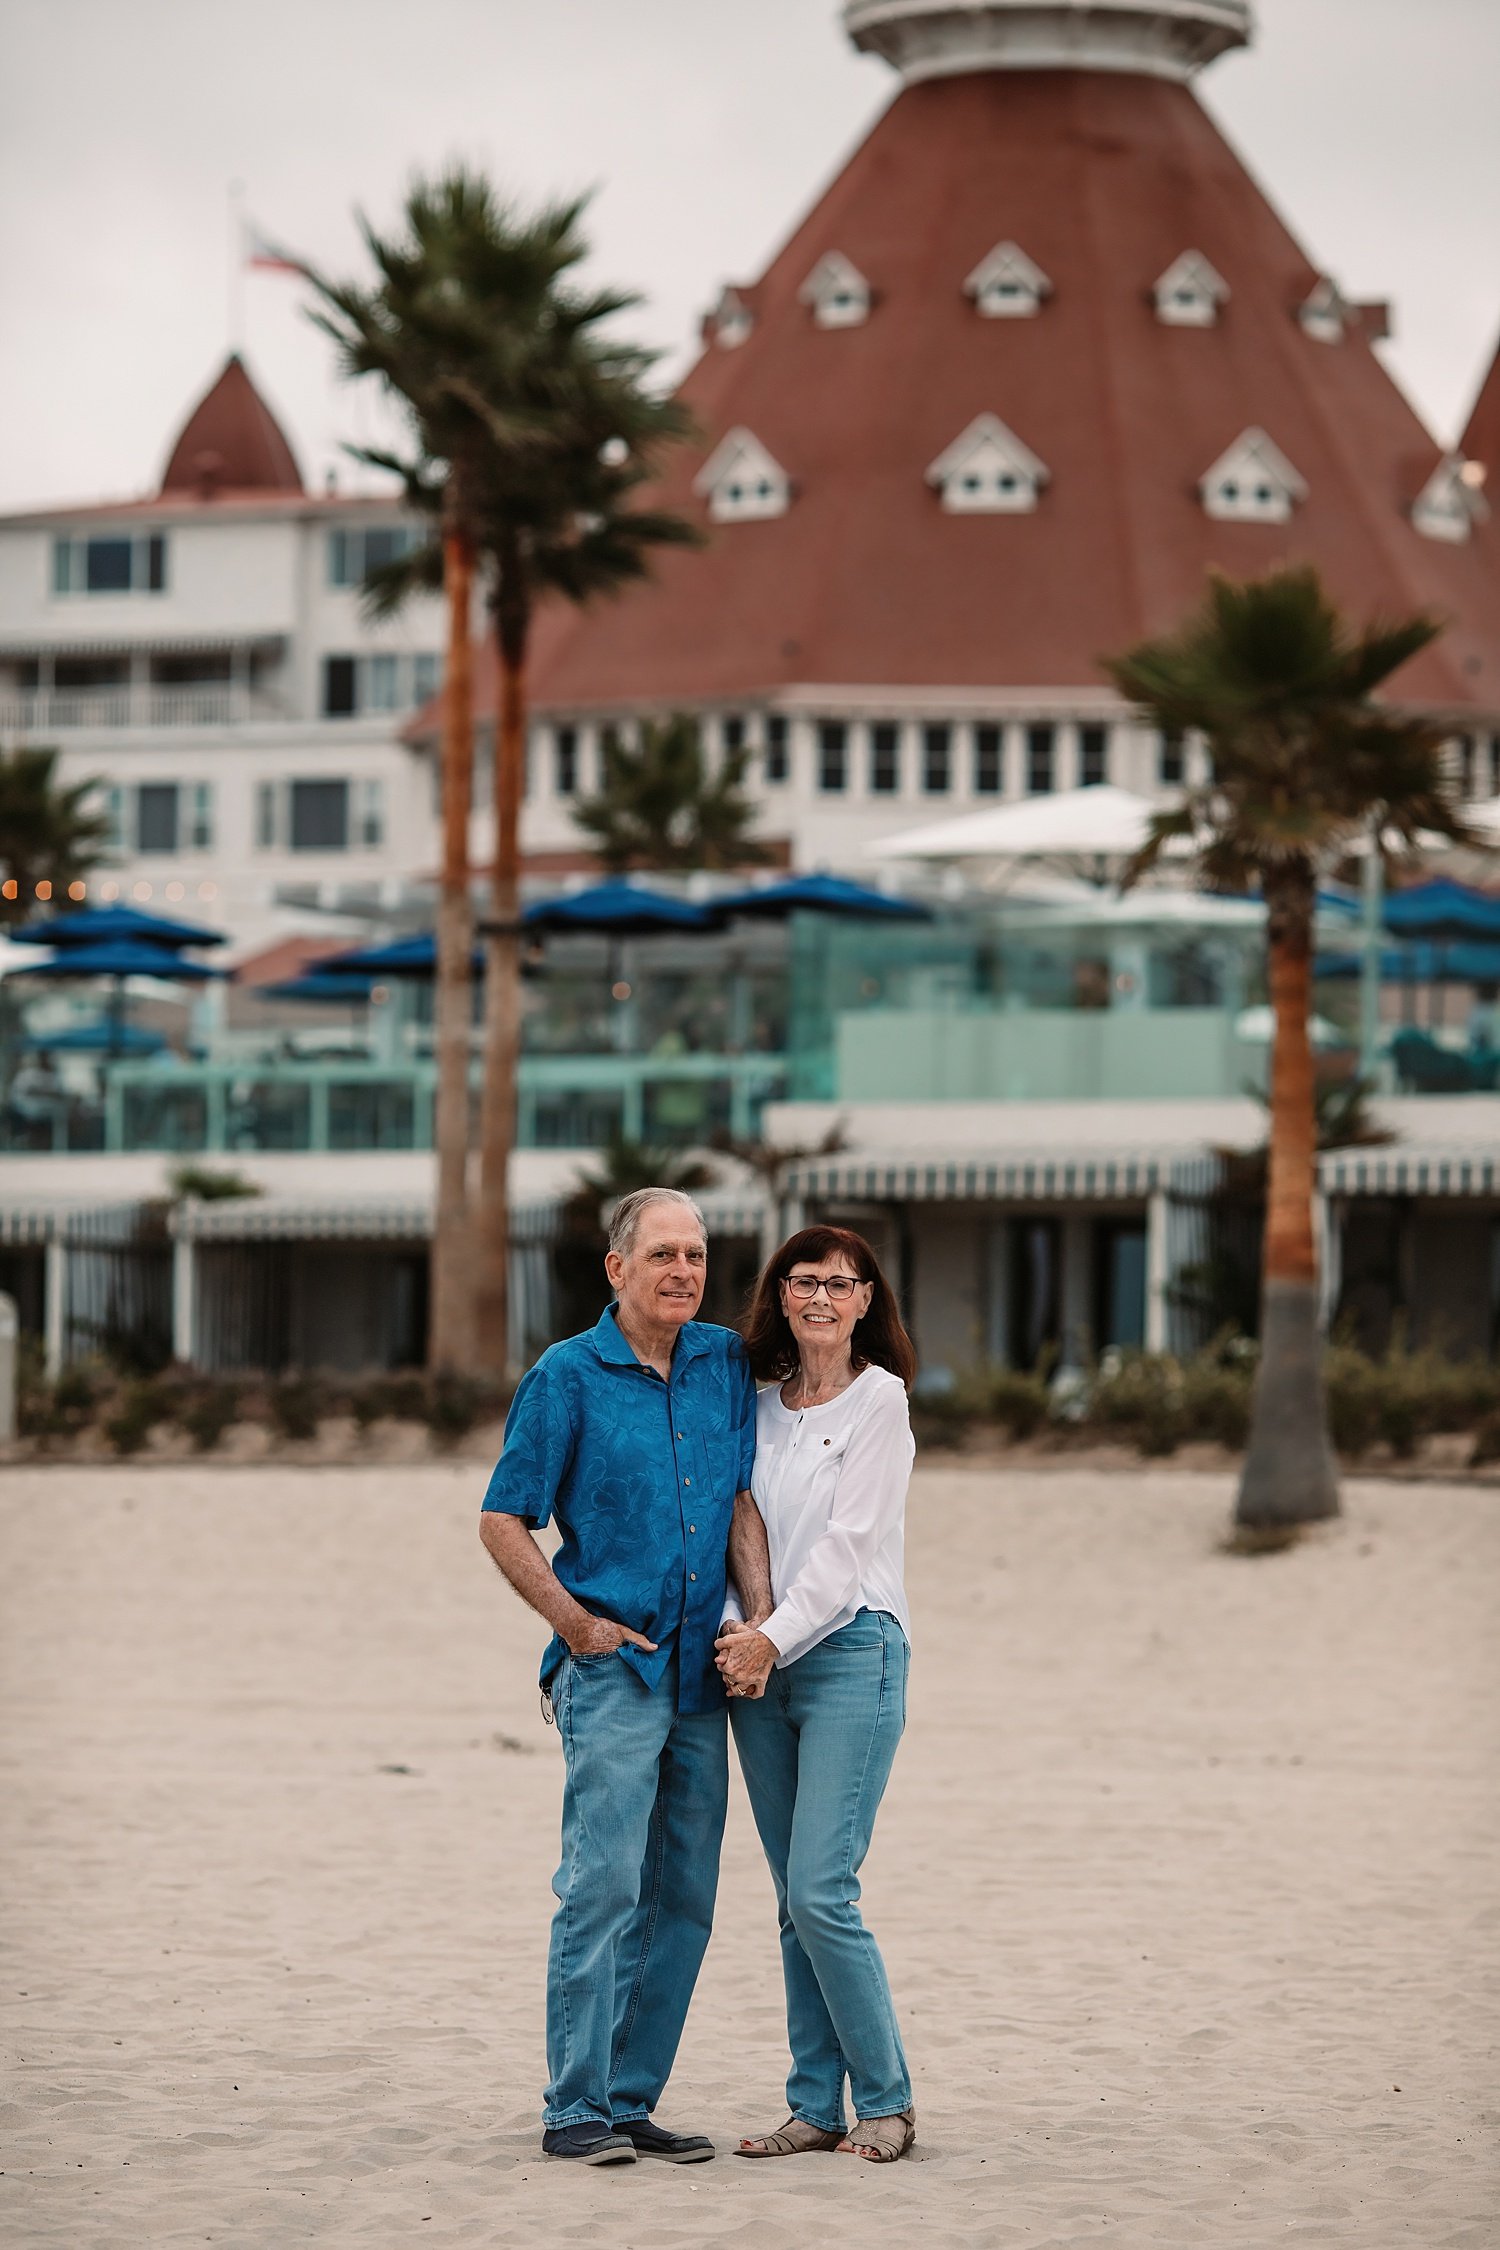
625 1221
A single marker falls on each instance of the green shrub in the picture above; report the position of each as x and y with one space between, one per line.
399 1397
1139 1396
454 1403
1215 1401
1352 1388
298 1404
1020 1403
140 1407
206 1411
1486 1441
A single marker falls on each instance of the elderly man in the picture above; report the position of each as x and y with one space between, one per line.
638 1438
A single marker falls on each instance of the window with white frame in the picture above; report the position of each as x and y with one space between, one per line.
937 759
565 761
369 813
989 760
200 816
1093 757
778 763
731 320
266 823
317 816
742 482
833 755
987 470
110 562
354 550
885 758
381 680
158 823
1325 312
1190 292
1007 285
1171 758
1041 758
1452 500
837 292
1252 482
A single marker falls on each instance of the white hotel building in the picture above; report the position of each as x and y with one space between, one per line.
201 655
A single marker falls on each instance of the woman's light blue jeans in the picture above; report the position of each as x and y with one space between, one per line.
817 1751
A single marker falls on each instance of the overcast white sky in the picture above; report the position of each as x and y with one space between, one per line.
706 125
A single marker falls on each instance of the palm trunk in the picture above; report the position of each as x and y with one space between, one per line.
1289 1476
502 1027
450 1331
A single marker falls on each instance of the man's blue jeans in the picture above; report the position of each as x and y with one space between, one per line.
643 1819
817 1750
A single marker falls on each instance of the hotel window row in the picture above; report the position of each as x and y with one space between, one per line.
880 758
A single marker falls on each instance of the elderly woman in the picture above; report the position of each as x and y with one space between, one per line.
818 1692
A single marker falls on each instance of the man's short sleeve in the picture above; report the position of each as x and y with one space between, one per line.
538 1450
740 1374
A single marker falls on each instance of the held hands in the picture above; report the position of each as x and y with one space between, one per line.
600 1636
744 1656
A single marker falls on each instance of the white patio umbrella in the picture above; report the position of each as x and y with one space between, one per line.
1078 826
1257 1026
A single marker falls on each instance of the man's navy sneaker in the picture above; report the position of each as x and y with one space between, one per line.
647 2139
589 2143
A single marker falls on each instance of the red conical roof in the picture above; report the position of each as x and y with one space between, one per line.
1103 180
1481 440
232 442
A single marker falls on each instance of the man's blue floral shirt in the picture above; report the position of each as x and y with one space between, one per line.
641 1476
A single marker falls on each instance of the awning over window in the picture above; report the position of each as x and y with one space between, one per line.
1411 1170
1018 1176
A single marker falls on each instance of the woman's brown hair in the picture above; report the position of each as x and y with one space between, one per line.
879 1339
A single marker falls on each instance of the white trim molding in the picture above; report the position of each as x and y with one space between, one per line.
1325 313
1190 292
942 38
730 320
1251 482
837 292
742 482
1452 500
988 471
1007 285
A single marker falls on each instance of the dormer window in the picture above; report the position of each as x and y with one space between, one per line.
1190 292
1253 482
741 482
1452 500
1007 285
837 291
1325 314
731 320
987 471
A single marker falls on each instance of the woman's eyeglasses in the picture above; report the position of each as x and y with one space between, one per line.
839 1285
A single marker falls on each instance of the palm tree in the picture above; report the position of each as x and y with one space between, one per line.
660 807
48 834
537 428
1304 765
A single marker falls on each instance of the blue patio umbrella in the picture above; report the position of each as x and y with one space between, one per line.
124 958
1442 909
101 1038
414 956
822 894
100 925
619 909
1470 963
348 987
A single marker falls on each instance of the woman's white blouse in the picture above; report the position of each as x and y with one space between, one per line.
830 1482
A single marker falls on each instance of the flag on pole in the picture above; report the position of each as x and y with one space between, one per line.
266 256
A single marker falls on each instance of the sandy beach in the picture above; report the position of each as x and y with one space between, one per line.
1186 1880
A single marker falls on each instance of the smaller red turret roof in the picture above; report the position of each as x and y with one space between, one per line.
1481 440
231 442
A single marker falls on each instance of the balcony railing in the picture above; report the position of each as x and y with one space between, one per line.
214 704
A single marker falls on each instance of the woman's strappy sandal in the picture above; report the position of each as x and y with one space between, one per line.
883 2140
796 2138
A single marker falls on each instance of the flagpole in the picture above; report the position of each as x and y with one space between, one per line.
236 266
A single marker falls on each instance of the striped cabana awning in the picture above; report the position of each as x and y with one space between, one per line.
1412 1170
1015 1176
280 1219
733 1213
96 1224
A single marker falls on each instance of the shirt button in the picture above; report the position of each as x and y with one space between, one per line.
693 1575
687 1480
682 1434
692 1527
